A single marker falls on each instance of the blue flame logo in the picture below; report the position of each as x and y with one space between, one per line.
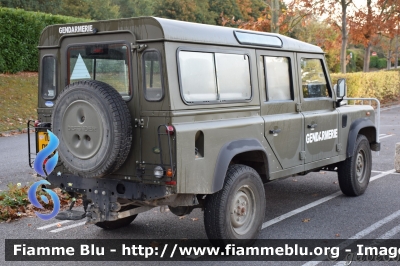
32 198
43 154
49 164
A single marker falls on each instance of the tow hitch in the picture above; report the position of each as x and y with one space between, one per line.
71 214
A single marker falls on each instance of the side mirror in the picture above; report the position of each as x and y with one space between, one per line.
341 88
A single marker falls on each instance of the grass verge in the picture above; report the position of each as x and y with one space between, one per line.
18 100
14 202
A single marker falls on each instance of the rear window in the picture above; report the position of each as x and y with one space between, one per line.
108 63
49 80
153 89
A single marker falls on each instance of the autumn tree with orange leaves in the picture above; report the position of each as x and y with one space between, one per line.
373 22
288 18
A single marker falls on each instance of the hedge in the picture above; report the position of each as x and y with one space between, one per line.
384 85
382 63
19 36
373 61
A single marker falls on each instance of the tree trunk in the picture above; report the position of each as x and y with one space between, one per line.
274 16
389 62
367 57
344 38
389 57
396 56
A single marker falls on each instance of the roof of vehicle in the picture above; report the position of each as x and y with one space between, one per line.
153 28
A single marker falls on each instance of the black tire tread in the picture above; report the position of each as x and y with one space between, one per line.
346 175
121 120
213 222
110 225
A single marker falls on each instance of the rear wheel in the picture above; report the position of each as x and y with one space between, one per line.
354 173
237 211
110 225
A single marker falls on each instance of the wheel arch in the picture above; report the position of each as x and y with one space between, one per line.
364 127
248 152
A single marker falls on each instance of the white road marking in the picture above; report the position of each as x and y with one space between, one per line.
67 227
389 234
315 203
388 136
51 225
382 175
394 173
299 210
357 236
265 225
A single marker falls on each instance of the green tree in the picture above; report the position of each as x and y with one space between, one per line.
135 8
176 9
46 6
75 8
225 9
103 9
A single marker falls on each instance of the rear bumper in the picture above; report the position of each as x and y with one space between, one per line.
94 188
103 194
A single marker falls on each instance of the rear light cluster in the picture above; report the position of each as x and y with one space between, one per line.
159 172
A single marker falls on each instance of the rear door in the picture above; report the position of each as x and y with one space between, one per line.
153 117
106 57
283 123
318 108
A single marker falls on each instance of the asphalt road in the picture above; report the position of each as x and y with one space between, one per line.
303 207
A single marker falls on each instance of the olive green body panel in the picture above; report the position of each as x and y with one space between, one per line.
288 137
195 175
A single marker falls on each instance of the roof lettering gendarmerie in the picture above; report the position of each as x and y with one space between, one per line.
152 28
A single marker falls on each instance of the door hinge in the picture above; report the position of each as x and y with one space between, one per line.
302 155
298 107
339 147
139 123
138 47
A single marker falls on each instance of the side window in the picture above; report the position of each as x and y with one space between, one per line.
233 76
197 76
210 77
313 79
49 80
277 72
153 88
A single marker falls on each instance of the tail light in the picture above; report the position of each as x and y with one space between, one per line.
170 130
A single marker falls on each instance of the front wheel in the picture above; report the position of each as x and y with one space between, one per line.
237 211
354 173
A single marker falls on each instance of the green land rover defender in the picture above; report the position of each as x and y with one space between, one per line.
154 112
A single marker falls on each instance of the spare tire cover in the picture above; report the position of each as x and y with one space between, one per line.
93 124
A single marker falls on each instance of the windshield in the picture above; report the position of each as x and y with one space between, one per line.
108 63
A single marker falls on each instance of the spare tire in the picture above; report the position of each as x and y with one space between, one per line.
93 124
